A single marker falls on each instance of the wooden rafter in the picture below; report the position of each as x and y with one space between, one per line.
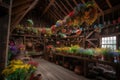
54 14
17 17
101 11
60 8
57 10
64 6
21 3
46 9
69 4
75 2
20 9
109 4
83 1
21 17
57 14
52 17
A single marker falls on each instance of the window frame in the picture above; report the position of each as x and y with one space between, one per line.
115 43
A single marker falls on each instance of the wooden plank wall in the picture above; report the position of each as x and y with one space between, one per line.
3 40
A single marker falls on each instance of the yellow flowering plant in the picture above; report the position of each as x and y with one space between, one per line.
17 70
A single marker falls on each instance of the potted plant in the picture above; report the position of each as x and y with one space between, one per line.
17 70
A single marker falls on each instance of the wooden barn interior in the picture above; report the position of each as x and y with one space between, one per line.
59 39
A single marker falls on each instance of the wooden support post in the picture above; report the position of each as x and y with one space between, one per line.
4 39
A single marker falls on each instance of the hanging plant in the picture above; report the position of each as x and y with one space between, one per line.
30 22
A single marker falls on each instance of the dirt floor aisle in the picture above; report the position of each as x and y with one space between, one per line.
51 71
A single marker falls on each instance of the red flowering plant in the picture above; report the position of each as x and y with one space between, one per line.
33 63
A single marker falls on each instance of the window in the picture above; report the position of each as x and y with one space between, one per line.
109 42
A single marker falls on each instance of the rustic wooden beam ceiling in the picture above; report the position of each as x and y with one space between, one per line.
15 18
55 11
21 17
65 6
20 9
54 14
75 2
52 17
69 4
58 11
109 4
60 8
49 5
21 3
101 11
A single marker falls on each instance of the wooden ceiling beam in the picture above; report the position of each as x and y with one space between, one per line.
15 18
64 6
54 14
49 5
101 11
58 11
21 17
52 17
69 4
75 2
21 3
60 8
20 9
55 11
109 4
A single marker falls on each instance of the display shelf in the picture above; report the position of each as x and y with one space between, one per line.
85 61
26 38
32 36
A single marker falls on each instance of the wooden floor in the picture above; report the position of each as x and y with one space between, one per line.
51 71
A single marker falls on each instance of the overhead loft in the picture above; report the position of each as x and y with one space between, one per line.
19 10
53 10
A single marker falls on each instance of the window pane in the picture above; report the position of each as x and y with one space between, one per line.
109 42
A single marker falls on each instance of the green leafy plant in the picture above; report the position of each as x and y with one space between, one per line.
17 70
